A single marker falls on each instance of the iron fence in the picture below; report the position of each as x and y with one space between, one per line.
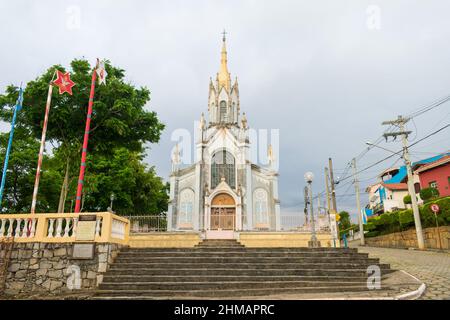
147 223
296 223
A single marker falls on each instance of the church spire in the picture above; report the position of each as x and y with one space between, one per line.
223 77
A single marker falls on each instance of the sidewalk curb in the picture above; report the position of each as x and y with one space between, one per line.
413 295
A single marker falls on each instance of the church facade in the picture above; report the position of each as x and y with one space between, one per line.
223 192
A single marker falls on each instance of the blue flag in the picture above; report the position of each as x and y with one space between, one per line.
365 214
17 107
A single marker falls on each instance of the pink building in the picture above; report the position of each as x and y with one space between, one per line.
436 175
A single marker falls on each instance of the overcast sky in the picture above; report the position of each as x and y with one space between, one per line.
325 73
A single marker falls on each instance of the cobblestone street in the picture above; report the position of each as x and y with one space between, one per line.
432 268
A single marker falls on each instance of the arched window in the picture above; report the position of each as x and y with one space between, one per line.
223 111
186 208
261 208
223 165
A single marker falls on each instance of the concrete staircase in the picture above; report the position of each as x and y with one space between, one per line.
226 269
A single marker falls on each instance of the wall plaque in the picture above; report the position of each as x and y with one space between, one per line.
86 228
83 251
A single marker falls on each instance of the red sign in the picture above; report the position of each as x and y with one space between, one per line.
435 208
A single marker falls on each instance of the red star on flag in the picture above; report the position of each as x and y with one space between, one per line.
63 82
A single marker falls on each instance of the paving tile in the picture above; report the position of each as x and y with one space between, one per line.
433 268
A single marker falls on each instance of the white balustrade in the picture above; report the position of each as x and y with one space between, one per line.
32 227
67 228
10 228
2 227
74 226
23 228
98 226
17 230
58 227
50 228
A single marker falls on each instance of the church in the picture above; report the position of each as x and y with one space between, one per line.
223 192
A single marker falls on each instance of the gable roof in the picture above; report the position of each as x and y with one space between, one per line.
401 176
395 186
440 162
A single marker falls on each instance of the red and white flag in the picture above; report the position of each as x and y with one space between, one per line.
101 72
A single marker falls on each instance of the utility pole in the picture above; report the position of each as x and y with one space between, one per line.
358 203
327 189
400 123
333 191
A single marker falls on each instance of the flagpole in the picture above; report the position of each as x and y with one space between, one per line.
41 150
17 107
85 142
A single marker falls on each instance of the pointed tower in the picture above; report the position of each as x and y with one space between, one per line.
223 104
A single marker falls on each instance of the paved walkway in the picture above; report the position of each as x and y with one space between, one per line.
432 268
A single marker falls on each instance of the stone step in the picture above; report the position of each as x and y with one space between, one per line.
212 254
152 294
220 245
215 242
243 249
115 271
214 278
225 268
140 263
189 286
242 265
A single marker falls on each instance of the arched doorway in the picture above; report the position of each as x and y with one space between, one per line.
223 212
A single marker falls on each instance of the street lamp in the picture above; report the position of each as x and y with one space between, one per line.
313 243
112 200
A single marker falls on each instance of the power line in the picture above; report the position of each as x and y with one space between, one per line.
427 108
398 152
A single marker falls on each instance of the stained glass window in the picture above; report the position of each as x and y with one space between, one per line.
186 206
223 111
223 165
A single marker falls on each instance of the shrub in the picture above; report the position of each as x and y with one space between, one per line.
402 220
407 199
429 193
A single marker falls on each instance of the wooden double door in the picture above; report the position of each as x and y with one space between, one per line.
223 213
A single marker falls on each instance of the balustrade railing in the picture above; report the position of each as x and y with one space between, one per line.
61 227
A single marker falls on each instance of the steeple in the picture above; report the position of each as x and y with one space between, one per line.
223 100
223 77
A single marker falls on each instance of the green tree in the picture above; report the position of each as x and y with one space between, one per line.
120 120
21 174
136 188
344 222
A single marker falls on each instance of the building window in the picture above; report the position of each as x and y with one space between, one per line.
433 184
261 207
223 111
186 208
417 187
223 165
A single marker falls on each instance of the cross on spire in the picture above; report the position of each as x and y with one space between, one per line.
224 33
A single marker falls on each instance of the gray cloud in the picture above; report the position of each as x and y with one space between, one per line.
313 70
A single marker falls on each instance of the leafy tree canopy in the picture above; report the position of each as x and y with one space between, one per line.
120 128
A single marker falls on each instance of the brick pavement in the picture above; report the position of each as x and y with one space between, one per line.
431 267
